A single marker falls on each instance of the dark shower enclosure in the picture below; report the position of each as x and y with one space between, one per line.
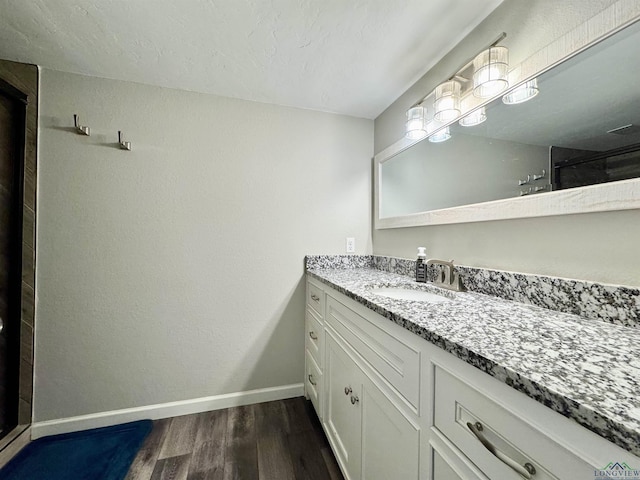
12 149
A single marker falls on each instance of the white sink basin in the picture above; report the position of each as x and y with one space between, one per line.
401 293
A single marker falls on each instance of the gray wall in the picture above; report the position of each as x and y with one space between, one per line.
600 247
175 271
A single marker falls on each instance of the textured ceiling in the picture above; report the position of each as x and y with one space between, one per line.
346 56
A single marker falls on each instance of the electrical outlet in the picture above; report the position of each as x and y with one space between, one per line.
351 245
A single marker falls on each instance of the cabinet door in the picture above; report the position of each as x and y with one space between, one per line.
442 470
390 441
447 463
343 419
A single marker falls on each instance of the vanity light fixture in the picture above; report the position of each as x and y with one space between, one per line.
474 118
441 136
521 94
490 69
484 76
447 101
416 126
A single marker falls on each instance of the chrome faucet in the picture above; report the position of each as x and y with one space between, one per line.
447 276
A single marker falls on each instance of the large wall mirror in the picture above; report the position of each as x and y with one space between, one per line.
574 147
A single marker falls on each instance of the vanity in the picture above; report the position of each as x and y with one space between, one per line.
470 387
520 376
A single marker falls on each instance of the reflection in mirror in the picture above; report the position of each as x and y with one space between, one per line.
582 128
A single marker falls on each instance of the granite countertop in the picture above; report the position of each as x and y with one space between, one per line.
585 369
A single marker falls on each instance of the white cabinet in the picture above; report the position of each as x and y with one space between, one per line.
390 439
393 353
447 464
443 470
364 383
315 298
503 434
371 436
500 444
313 382
343 418
314 337
314 346
395 406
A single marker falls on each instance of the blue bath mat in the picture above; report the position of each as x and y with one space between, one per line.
98 454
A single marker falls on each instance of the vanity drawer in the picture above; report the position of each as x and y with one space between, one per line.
315 299
314 337
476 424
313 383
395 361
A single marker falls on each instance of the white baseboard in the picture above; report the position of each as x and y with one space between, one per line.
164 410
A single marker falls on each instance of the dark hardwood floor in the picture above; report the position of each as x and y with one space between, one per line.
280 440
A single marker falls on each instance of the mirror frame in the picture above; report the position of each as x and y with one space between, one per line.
619 195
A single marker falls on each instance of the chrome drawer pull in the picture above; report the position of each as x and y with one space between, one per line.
347 390
354 400
313 335
526 470
311 380
315 298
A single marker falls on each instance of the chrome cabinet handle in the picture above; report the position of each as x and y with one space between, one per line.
347 390
354 400
310 377
315 298
313 335
526 470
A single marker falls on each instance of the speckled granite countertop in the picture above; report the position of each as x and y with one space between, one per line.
585 369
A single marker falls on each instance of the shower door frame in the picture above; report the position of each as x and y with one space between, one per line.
13 323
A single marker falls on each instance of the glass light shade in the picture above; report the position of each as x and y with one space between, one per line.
447 102
490 69
474 118
416 126
441 136
523 93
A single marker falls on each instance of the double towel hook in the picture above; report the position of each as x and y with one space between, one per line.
84 130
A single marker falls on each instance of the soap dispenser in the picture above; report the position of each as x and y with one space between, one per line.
421 265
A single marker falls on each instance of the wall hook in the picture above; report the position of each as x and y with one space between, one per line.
543 175
525 182
82 130
123 145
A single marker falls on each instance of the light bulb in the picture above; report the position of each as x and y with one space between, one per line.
490 70
474 118
521 94
415 127
447 101
441 136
